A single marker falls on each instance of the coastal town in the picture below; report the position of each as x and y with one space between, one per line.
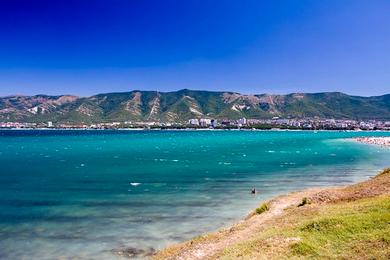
209 123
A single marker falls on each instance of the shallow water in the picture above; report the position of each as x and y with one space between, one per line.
86 193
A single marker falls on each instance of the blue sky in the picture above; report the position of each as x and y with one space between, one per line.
86 47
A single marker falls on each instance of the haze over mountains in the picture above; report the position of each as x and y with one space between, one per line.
179 106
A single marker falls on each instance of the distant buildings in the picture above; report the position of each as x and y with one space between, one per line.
276 122
194 122
213 123
241 122
204 122
17 125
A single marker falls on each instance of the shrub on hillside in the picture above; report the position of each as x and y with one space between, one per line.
263 208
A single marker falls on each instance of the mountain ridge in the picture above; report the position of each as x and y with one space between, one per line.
181 105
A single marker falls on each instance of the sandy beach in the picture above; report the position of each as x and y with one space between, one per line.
381 141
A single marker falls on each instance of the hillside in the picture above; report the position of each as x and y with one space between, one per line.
179 106
337 223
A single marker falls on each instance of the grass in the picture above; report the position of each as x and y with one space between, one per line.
358 224
351 230
263 208
303 249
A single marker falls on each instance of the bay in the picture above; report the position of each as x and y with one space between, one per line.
85 194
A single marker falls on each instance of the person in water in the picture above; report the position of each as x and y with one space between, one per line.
253 191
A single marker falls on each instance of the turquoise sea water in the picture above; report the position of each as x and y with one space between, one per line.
85 194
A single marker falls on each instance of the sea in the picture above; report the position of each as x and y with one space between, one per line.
94 194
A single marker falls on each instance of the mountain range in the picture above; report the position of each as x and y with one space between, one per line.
179 106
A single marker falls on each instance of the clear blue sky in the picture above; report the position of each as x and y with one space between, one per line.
86 47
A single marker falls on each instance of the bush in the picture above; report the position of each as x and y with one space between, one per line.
304 202
263 208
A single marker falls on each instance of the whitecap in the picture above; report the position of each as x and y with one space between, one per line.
135 183
270 151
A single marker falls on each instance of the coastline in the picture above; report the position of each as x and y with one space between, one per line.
221 201
197 129
237 241
383 141
228 242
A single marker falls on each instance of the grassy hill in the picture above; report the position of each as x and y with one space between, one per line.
179 106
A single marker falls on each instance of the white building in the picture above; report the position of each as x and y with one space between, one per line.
193 121
242 121
205 122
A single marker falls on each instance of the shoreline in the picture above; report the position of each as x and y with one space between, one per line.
195 129
215 245
383 141
205 245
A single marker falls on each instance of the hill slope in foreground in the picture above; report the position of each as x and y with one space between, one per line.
179 106
350 223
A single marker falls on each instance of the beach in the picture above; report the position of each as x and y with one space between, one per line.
381 141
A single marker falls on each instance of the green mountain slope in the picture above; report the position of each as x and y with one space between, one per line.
179 106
